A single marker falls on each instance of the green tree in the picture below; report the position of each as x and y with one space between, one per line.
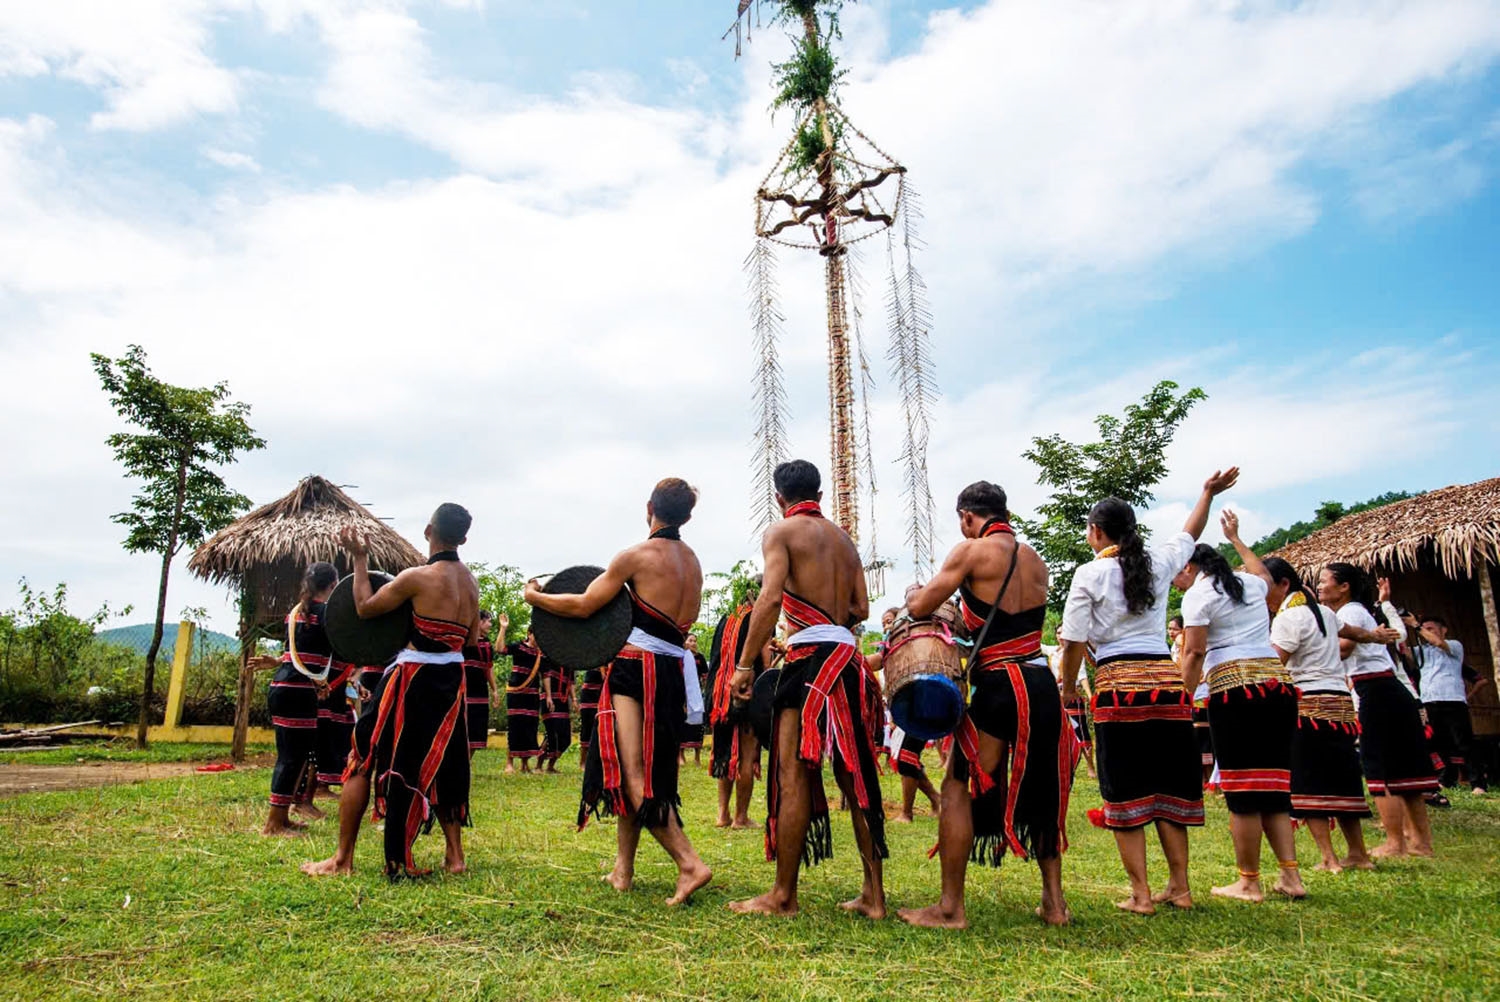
46 640
184 433
1126 462
725 591
502 591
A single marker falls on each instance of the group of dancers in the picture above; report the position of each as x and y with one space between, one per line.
1302 704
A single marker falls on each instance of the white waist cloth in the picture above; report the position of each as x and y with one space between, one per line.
1237 652
655 645
413 657
822 633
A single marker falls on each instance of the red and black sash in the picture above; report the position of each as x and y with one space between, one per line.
657 623
1003 659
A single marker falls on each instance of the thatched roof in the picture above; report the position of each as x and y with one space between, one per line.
1456 529
265 552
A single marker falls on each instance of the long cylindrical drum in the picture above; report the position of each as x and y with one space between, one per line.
924 675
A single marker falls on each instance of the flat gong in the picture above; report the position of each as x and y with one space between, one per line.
371 641
581 643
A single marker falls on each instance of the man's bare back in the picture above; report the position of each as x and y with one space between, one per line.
991 560
822 566
443 590
665 574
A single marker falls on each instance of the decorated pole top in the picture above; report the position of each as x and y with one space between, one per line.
830 189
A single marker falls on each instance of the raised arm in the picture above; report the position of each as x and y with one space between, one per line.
596 596
777 561
1230 523
369 603
1215 485
929 597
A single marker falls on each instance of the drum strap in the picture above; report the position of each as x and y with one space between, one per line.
984 631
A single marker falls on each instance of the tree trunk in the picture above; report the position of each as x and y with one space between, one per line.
149 681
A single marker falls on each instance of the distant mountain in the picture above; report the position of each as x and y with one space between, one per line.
138 638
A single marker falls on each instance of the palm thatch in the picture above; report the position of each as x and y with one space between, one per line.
264 553
1456 529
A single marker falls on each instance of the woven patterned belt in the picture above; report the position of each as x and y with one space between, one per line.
1335 707
1244 672
1137 676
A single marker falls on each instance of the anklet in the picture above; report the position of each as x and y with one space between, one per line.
1287 864
1250 874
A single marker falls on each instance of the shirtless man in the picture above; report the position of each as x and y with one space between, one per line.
418 707
813 574
736 752
625 775
1012 769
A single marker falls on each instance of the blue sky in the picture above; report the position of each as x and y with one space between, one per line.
515 229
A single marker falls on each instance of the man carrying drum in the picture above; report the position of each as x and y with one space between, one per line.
1008 782
813 574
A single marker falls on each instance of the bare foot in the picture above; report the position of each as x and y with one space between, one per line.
1388 850
1054 916
863 906
1329 866
1425 851
1290 887
902 819
722 822
688 881
620 882
1241 890
455 865
1137 906
769 903
744 824
510 768
933 917
1360 863
308 811
330 867
287 830
1170 895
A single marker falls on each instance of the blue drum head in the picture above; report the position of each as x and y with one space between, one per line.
928 707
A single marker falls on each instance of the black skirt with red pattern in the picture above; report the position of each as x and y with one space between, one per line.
655 683
1147 754
1392 741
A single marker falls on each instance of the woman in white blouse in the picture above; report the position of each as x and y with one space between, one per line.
1143 718
1252 711
1392 741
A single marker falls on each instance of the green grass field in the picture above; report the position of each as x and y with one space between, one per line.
162 890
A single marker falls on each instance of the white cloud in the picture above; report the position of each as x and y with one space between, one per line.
147 57
548 331
232 159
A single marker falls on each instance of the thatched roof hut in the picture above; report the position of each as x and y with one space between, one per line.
264 553
1441 551
1455 529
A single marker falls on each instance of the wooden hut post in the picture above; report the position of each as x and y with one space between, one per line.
247 676
1491 621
